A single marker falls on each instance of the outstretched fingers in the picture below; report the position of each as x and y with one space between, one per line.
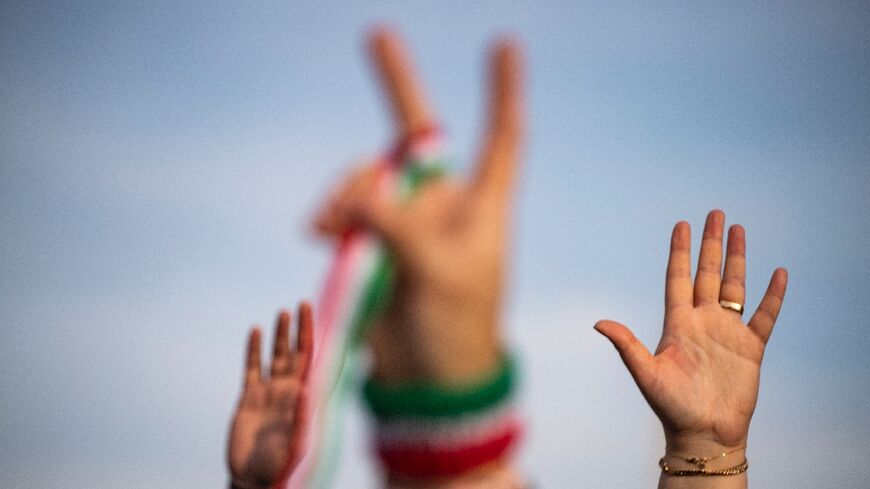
763 320
498 159
404 91
734 278
281 355
678 283
709 275
253 372
304 341
634 354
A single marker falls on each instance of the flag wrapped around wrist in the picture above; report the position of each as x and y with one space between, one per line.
428 431
358 285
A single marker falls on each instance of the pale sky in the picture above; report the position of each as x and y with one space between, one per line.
159 163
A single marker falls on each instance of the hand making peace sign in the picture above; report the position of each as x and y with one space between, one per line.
450 241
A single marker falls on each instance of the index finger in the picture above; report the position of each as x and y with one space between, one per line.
404 91
765 316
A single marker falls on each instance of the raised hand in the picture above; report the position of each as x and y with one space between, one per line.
449 241
266 437
702 381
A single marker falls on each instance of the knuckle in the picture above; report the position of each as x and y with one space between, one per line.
734 281
709 266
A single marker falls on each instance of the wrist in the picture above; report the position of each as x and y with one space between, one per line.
499 475
240 483
439 348
428 433
701 454
471 361
702 442
243 484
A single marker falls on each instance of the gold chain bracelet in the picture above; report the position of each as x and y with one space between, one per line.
701 466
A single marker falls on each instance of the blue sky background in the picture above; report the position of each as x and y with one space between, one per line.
159 163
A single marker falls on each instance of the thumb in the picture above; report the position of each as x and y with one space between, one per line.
635 356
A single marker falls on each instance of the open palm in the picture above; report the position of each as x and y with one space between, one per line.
702 381
268 429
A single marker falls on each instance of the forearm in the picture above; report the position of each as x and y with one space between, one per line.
244 485
418 349
711 482
494 476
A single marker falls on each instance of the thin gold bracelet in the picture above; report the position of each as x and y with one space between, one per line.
701 466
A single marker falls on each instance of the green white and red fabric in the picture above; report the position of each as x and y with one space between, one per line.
427 431
412 440
358 283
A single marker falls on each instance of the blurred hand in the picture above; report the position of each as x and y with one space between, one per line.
268 429
702 381
448 242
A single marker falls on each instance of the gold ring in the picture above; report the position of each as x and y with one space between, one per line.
733 306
